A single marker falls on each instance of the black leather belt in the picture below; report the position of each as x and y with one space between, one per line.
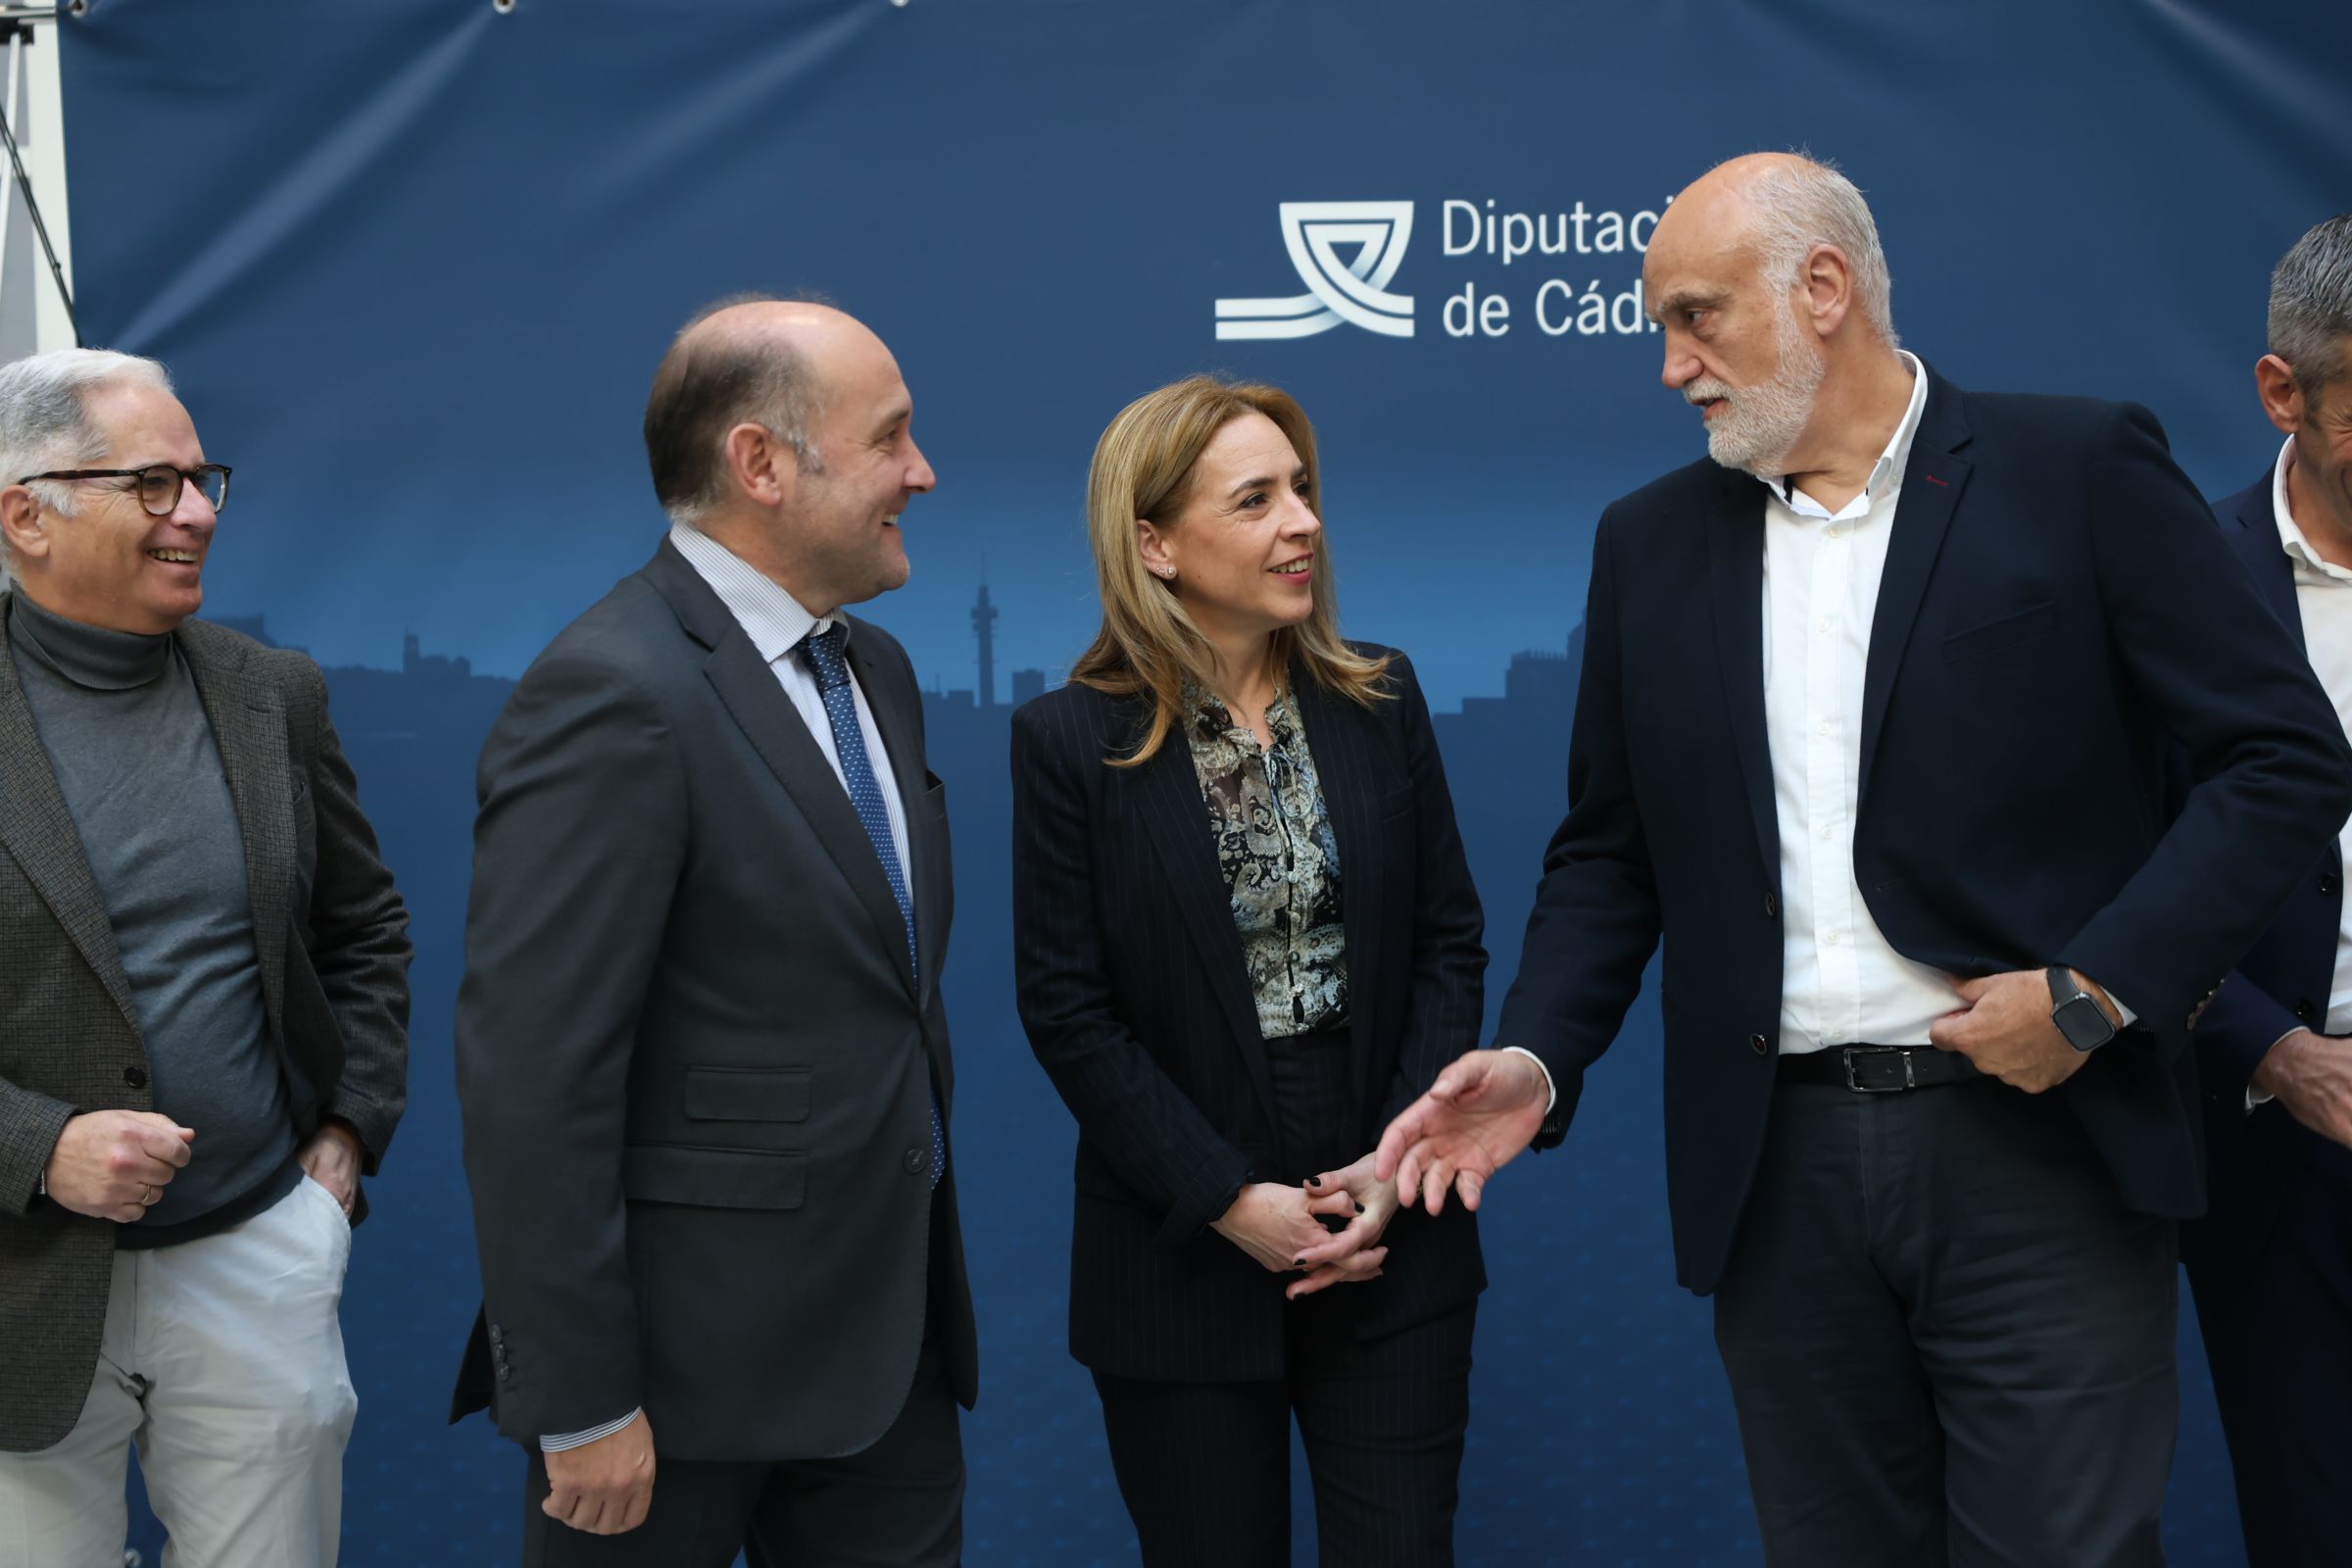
1879 1069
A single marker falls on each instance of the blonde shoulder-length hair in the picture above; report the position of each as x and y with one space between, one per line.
1148 644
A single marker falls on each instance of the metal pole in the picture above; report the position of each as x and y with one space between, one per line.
32 206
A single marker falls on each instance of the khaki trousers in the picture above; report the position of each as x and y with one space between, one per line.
223 1359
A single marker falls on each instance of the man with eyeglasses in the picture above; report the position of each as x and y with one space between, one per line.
203 1007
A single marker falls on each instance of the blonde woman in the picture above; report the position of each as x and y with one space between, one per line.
1245 937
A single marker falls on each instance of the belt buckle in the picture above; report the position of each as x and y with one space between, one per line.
1846 1056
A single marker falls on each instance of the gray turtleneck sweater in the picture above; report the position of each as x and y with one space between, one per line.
136 760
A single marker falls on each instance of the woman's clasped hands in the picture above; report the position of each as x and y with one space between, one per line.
1283 1227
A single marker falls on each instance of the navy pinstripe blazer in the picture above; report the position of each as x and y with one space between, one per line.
1136 999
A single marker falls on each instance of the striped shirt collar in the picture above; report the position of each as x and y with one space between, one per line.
774 620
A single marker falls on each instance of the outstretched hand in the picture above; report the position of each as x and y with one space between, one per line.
1478 1116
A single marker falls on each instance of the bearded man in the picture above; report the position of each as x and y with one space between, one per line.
1872 733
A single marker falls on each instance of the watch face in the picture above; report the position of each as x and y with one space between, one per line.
2085 1026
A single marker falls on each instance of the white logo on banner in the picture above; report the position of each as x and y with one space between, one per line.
1356 290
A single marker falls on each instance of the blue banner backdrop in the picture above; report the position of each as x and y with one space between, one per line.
413 262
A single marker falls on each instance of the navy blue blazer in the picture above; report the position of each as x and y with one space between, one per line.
1136 1001
2055 604
2281 984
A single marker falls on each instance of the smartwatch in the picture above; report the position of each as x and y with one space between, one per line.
2077 1012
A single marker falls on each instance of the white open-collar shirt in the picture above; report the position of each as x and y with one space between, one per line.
2323 602
1841 983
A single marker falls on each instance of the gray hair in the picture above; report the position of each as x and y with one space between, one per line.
1804 204
2311 304
706 385
44 414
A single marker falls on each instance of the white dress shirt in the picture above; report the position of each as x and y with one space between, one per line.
775 622
2324 601
1841 982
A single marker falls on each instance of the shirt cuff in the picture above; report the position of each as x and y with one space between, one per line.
2260 1097
580 1439
1551 1093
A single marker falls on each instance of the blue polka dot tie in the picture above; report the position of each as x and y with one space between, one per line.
824 650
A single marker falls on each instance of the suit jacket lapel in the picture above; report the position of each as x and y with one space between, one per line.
1932 484
2256 539
1178 821
900 733
249 730
1337 738
1736 579
38 832
777 732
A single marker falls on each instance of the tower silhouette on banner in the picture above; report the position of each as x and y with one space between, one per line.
984 616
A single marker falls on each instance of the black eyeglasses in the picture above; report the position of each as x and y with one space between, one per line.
159 483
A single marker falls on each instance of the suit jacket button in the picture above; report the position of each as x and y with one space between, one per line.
2306 1011
136 1077
2330 885
1772 907
1759 1045
916 1161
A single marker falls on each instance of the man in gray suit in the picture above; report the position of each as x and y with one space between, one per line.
700 1047
203 1008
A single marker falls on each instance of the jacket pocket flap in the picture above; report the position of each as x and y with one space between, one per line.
713 1178
2003 631
747 1094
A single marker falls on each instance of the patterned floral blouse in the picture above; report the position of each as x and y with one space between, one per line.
1274 845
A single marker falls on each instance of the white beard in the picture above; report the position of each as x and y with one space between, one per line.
1758 426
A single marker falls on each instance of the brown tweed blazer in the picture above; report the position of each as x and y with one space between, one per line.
335 953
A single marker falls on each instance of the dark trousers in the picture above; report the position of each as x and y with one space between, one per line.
1205 1467
2279 1338
899 1504
896 1504
1948 1342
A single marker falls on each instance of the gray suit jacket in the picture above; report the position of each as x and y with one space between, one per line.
335 957
693 1058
